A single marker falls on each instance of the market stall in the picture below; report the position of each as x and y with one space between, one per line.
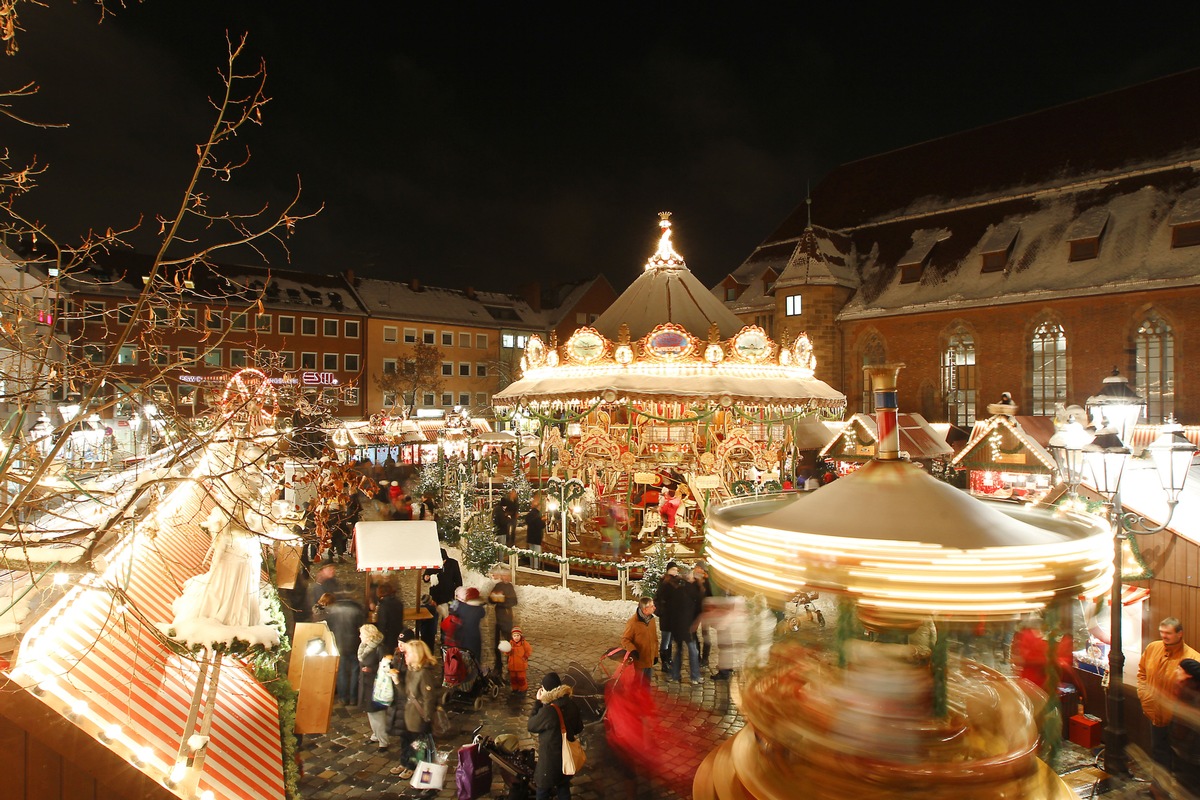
398 546
855 444
1008 456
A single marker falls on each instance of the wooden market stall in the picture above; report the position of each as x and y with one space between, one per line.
855 444
398 546
1009 457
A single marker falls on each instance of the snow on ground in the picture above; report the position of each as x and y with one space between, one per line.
555 600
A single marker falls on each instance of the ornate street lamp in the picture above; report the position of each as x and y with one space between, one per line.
561 496
1067 445
1106 456
1117 405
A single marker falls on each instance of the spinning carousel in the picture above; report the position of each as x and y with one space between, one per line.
886 712
667 401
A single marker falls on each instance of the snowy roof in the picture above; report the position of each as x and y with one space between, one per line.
939 206
397 544
1031 437
413 301
918 439
818 256
667 291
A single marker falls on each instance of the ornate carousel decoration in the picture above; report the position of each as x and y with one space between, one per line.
667 382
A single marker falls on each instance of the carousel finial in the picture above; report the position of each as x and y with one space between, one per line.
665 256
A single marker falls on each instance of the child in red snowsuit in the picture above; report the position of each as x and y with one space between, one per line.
518 661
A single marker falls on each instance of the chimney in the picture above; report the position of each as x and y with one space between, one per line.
350 277
532 293
883 384
469 292
414 284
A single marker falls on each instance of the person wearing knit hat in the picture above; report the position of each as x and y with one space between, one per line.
554 710
1191 668
518 660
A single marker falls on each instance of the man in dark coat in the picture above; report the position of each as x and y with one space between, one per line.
535 529
389 615
503 598
505 518
553 694
345 617
662 601
680 621
449 578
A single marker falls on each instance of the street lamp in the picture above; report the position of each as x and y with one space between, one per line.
1117 406
1067 445
561 496
1105 458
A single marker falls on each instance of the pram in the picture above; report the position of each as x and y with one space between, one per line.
465 680
587 687
516 766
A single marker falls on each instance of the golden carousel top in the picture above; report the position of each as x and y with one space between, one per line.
669 361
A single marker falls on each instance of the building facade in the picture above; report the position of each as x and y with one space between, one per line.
1020 257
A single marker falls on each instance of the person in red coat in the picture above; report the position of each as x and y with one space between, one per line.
518 661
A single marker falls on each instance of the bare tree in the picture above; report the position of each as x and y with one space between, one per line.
418 371
48 345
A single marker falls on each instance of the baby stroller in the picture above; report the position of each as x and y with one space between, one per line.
465 680
515 765
587 687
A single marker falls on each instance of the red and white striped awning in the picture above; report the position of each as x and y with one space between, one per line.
90 648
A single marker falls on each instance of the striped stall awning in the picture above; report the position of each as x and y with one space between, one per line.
1143 435
92 647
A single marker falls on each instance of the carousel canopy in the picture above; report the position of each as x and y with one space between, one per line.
668 339
667 291
902 542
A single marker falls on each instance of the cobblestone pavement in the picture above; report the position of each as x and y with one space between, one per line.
344 764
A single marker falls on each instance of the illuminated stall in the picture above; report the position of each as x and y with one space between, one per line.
855 444
1008 457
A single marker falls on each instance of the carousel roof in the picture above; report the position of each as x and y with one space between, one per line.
667 291
900 541
667 339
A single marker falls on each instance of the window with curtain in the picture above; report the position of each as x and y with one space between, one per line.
873 352
1049 350
1155 378
959 379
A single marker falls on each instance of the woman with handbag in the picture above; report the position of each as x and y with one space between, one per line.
423 687
557 722
376 690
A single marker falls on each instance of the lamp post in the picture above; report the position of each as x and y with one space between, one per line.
1067 445
1105 458
562 494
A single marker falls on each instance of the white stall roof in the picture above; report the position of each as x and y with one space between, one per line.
397 544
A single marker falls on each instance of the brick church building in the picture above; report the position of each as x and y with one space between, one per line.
1029 256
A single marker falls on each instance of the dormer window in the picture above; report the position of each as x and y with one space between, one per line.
912 264
1187 235
1084 235
1185 220
997 248
731 293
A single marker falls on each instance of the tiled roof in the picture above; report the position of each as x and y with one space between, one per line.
393 299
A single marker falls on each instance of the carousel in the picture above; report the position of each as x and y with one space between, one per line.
886 710
665 403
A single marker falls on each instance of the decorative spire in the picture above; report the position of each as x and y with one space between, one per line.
665 257
808 202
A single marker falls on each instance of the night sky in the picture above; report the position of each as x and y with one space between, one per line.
498 143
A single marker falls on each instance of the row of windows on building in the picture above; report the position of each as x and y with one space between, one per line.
96 312
430 400
238 357
1048 349
391 365
392 333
